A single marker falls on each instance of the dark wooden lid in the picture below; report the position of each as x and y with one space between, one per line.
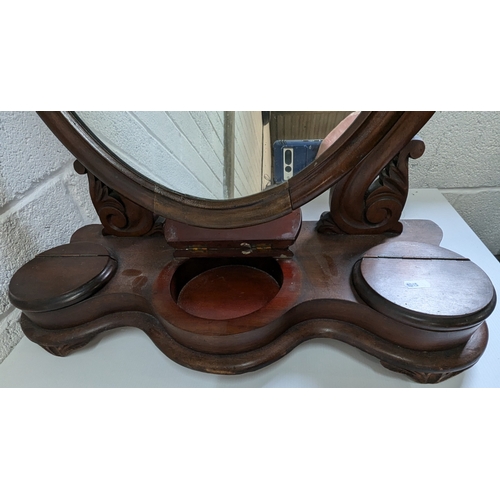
424 285
268 239
61 277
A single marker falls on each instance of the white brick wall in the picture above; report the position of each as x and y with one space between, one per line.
184 151
43 201
165 147
462 159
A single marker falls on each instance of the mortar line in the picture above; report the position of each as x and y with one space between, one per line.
8 312
32 192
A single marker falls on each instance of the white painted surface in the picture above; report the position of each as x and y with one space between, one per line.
248 153
184 150
173 149
125 357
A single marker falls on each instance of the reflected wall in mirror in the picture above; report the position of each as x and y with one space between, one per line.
213 154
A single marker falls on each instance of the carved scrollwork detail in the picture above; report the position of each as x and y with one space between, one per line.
422 377
371 198
326 224
119 215
65 349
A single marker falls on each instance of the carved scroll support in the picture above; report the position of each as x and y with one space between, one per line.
119 215
371 198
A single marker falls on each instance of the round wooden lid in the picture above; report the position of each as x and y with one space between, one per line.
61 277
424 285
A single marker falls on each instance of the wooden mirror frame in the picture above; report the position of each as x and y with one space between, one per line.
387 132
344 277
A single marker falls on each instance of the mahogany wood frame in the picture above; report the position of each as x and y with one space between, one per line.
125 273
383 134
317 300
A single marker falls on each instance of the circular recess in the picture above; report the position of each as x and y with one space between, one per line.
424 285
270 286
227 292
61 277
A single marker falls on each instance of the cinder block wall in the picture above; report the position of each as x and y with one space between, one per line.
462 159
43 201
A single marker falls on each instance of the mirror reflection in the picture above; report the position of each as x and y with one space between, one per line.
217 154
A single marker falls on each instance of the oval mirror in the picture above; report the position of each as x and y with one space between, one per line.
214 154
226 169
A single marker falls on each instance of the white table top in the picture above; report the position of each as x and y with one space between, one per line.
125 357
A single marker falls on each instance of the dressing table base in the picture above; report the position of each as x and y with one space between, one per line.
317 299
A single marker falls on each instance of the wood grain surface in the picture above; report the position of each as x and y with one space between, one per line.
316 299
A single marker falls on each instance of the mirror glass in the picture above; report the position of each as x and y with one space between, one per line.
216 154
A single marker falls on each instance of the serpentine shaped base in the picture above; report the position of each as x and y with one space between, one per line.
423 367
314 298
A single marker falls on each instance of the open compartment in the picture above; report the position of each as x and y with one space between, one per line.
242 286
